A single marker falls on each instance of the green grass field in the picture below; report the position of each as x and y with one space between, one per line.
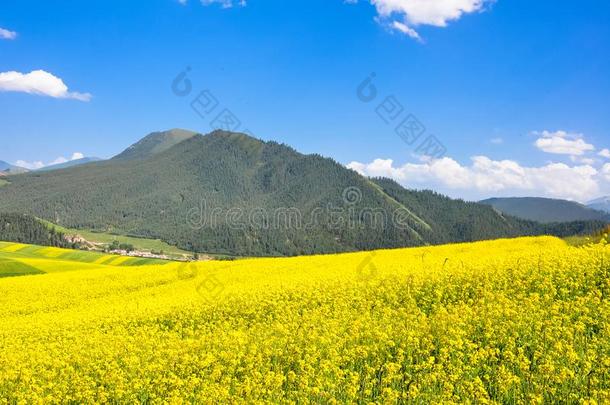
18 259
584 240
3 182
138 243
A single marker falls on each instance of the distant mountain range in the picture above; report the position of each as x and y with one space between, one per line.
601 204
546 210
8 169
229 193
71 163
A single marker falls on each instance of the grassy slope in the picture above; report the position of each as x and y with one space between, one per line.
138 243
20 259
582 240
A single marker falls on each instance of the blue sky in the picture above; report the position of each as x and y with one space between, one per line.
517 92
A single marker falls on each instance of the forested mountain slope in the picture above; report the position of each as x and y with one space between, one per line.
230 193
26 229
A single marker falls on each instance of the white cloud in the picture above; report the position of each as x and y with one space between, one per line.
606 172
6 34
605 153
428 12
223 3
29 165
38 82
562 143
583 160
58 161
485 177
39 165
405 29
496 141
414 13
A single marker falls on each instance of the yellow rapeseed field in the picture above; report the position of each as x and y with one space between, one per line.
21 259
510 321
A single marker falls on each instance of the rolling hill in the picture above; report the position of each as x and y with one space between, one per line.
18 259
546 210
336 329
228 193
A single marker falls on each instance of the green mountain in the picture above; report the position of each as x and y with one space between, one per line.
155 143
228 193
546 210
8 169
71 163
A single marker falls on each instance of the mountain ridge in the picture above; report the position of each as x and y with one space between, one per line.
545 210
9 169
71 163
601 204
154 143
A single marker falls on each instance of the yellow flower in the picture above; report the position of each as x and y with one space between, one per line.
509 321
